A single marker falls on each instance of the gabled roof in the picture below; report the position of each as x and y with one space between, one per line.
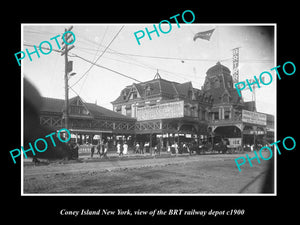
54 105
161 87
183 88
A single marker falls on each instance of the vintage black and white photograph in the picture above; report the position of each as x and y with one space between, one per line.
148 109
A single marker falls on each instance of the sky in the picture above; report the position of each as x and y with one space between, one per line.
174 55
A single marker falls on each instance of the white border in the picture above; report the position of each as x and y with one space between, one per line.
150 194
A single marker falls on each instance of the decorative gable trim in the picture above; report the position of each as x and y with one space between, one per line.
77 107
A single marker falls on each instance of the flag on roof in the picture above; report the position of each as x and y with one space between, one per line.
204 35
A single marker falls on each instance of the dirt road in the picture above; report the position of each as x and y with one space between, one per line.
198 174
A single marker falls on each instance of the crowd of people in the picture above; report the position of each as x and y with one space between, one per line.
122 148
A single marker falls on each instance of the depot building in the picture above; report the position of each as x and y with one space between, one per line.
170 111
165 111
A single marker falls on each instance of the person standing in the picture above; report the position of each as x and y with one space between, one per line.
105 146
70 150
125 148
168 147
147 146
176 148
142 148
76 149
98 147
121 149
92 150
137 148
118 148
188 148
159 147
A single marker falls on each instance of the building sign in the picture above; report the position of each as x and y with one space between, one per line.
254 117
161 111
234 142
235 63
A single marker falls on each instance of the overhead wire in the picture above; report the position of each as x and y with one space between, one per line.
142 64
99 56
94 56
75 55
150 67
111 51
95 64
153 68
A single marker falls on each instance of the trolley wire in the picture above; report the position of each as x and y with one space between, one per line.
103 67
98 57
86 60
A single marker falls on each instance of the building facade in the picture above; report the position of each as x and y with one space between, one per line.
231 117
86 120
167 111
213 113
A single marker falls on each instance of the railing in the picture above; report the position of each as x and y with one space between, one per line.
85 148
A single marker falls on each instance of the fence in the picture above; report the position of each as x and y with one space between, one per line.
85 148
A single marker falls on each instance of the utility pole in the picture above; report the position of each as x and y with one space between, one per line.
68 68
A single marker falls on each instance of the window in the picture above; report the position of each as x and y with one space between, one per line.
204 115
134 95
147 90
128 110
216 115
187 111
123 93
194 111
227 115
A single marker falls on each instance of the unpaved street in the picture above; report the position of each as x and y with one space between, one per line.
198 174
